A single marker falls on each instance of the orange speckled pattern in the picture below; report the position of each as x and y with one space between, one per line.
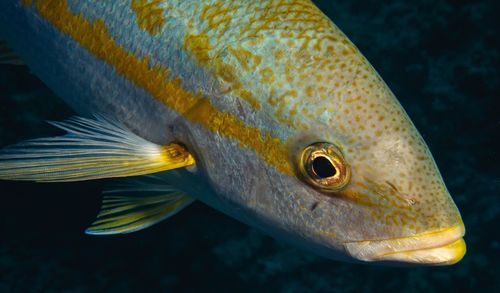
297 66
149 15
285 53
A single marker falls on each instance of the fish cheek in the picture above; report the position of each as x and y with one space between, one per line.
262 191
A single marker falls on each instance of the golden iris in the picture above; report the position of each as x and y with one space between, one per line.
323 166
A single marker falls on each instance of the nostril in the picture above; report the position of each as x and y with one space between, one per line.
411 201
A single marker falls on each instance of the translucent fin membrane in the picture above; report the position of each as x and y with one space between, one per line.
92 149
136 204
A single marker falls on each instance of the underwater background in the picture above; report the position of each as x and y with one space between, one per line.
441 59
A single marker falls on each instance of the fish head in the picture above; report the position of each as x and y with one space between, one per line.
367 187
332 162
374 192
363 185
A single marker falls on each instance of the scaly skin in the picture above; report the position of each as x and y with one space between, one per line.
246 85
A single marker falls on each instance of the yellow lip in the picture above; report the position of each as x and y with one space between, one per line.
444 247
444 255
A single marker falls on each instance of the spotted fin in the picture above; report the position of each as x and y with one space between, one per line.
135 204
7 56
92 149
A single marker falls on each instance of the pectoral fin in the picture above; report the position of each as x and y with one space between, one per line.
92 149
135 204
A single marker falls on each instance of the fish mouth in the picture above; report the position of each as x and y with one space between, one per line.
443 247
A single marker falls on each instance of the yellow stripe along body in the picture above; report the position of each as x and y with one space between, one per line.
231 45
94 37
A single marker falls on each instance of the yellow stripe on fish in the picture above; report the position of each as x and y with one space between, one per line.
94 36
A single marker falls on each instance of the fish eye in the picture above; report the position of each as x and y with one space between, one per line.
323 167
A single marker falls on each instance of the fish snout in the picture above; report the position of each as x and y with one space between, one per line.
443 247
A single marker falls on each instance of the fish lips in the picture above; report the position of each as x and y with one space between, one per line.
442 247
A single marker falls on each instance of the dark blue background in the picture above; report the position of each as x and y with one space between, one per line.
441 58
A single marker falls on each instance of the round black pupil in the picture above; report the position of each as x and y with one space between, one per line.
323 167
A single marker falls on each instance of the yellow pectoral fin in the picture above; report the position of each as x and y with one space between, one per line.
92 149
137 203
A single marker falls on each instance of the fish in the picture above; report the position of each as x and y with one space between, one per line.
263 110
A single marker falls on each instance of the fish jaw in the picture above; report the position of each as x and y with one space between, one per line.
439 248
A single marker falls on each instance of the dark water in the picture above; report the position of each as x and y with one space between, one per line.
441 58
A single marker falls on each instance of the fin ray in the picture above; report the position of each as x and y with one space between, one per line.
136 205
92 149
